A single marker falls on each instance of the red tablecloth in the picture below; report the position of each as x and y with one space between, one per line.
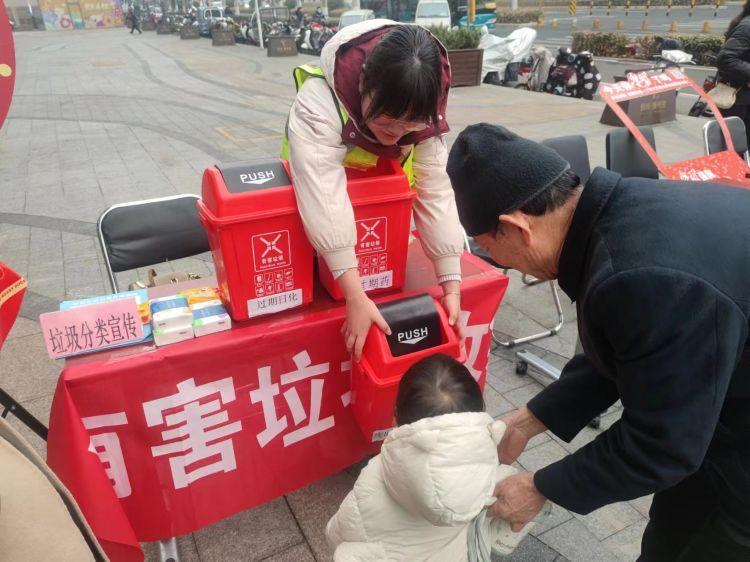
159 442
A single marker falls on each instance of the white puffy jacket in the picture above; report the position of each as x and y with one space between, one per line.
415 499
316 154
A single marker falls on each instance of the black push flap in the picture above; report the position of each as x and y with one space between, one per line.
253 175
414 322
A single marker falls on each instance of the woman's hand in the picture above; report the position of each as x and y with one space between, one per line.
451 302
361 313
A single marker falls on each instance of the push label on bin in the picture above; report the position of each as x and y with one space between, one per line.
256 174
414 323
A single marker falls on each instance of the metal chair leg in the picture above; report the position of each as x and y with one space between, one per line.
168 551
10 406
541 335
528 280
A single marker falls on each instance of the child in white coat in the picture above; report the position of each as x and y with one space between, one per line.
424 496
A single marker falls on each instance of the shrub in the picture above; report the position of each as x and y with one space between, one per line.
601 44
455 39
703 47
518 16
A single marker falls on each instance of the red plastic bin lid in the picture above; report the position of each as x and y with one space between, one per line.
383 183
247 190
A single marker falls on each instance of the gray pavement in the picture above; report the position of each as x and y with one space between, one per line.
101 117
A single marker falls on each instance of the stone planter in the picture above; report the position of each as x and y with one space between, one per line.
164 29
222 37
148 25
282 46
190 32
466 67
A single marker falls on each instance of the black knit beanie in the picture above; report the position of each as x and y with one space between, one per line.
494 171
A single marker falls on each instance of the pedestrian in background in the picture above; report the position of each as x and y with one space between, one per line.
132 20
734 66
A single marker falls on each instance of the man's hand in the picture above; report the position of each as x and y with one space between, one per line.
521 426
518 500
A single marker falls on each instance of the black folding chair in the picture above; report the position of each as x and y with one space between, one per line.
627 157
142 233
576 151
147 232
713 138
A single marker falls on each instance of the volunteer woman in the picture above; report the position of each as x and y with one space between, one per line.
381 91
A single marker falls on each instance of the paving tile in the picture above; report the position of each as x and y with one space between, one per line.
314 505
26 371
626 544
610 519
643 505
251 535
541 456
520 396
501 375
495 404
574 541
509 320
186 546
564 343
530 549
298 553
23 327
536 301
558 516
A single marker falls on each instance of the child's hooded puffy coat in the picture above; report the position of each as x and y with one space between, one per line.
415 499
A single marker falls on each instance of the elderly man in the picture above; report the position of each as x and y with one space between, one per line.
660 273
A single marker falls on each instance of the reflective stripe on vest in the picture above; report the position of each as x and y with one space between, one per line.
356 157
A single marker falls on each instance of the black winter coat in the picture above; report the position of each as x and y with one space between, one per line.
660 273
733 61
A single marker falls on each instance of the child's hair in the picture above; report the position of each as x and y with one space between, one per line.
434 386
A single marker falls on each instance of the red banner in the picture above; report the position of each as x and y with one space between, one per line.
159 442
641 84
720 167
7 63
12 288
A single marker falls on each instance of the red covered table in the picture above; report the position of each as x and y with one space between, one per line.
159 442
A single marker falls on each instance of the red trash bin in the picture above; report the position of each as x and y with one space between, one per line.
263 259
418 323
382 202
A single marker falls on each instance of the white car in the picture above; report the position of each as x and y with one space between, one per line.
355 16
433 12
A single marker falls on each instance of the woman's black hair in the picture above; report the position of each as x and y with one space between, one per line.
434 386
736 21
403 74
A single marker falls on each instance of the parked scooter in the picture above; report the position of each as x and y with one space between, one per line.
504 57
313 35
573 75
541 63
